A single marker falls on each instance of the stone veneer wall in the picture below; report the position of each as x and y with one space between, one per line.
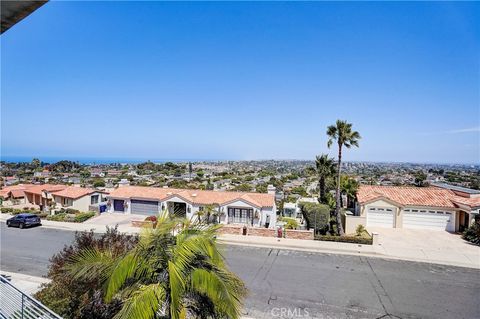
266 232
299 234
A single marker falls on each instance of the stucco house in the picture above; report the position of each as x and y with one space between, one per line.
437 207
51 197
78 198
14 195
41 195
253 209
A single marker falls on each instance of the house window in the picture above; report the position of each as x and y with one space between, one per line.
240 215
94 199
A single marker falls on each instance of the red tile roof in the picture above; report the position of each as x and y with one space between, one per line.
75 192
472 202
38 189
193 196
16 190
415 196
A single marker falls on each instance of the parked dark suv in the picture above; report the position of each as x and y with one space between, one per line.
24 220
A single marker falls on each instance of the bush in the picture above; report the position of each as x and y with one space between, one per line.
360 230
80 218
346 239
17 211
6 210
290 223
42 214
76 298
58 217
316 215
472 233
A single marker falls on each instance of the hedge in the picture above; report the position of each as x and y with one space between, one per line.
80 218
345 239
472 233
322 213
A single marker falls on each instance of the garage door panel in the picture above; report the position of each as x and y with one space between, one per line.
380 217
431 221
144 207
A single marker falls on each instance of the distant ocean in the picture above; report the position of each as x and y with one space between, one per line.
96 160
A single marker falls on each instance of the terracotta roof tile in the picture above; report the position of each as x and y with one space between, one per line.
416 196
193 196
75 192
16 190
407 195
38 189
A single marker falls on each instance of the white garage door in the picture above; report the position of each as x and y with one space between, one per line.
380 217
431 219
144 207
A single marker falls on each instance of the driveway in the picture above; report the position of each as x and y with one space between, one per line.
427 245
112 219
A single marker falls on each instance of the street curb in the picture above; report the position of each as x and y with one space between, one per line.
292 247
350 253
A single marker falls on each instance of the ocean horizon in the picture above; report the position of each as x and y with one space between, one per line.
97 160
132 160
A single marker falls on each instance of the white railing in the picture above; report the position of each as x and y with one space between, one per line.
17 305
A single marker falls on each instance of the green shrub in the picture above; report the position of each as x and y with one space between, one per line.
80 218
316 215
345 239
42 214
360 230
6 210
58 217
472 233
72 211
17 211
290 223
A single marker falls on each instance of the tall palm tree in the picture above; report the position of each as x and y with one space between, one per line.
342 134
175 271
325 168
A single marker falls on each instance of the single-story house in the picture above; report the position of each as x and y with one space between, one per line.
252 209
41 195
11 195
437 207
49 196
78 198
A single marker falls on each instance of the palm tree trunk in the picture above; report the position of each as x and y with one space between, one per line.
337 194
321 185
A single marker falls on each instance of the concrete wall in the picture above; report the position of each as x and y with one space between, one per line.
352 222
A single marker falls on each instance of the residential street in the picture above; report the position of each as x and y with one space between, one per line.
294 284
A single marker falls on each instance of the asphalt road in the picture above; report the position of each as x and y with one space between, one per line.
293 284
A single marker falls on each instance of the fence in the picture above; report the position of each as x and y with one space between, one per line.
15 304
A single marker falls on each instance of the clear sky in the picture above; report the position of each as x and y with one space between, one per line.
242 80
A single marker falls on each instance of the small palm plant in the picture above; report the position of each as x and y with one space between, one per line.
175 271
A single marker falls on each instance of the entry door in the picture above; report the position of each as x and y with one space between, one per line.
118 206
380 217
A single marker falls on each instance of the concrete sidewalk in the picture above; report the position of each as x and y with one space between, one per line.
26 283
429 247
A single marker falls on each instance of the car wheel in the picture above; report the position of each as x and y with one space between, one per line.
21 226
8 224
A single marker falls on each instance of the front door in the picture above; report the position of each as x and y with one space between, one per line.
118 206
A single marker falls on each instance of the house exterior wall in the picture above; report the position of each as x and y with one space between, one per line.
82 204
400 211
192 210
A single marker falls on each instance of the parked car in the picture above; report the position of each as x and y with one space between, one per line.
24 220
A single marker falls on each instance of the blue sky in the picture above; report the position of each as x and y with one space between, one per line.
242 80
